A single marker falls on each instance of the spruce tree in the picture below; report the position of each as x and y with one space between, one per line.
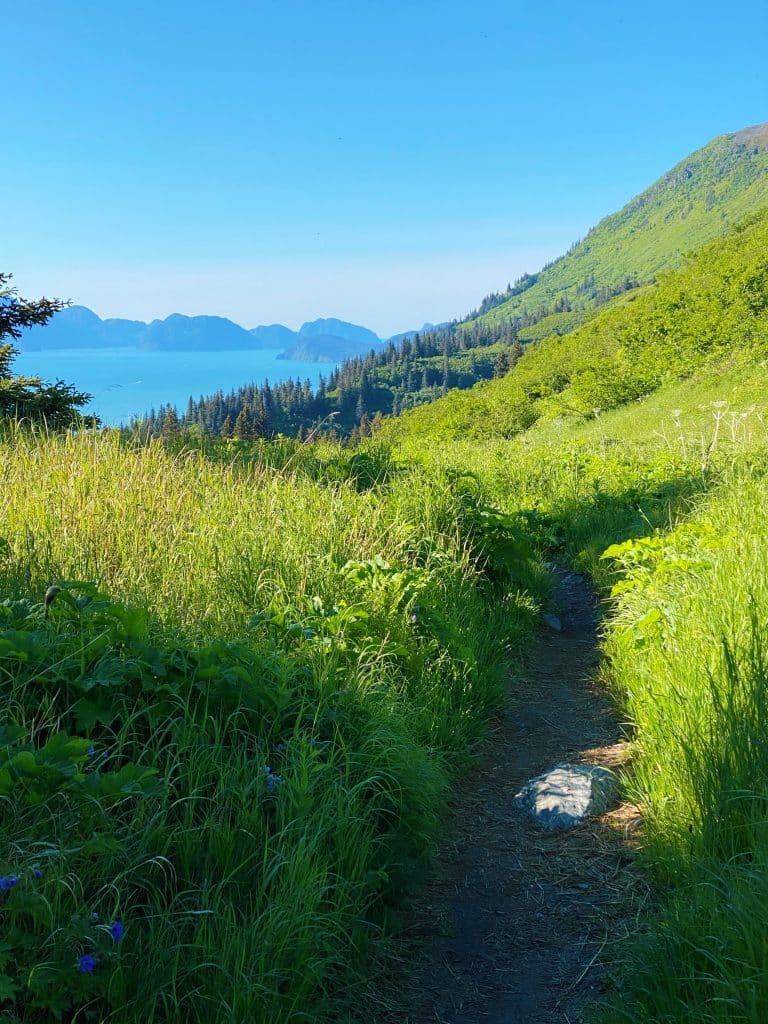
243 428
56 405
170 427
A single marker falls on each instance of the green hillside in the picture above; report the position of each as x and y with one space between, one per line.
715 307
662 501
694 202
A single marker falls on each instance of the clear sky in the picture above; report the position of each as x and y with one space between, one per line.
383 162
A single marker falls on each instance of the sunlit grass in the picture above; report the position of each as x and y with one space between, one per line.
302 718
681 481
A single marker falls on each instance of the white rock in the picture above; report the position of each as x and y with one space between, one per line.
567 795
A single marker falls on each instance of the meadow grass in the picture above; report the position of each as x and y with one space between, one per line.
675 488
230 733
344 619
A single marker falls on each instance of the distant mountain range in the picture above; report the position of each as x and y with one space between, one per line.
318 341
410 335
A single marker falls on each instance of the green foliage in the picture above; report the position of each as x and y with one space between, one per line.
242 759
693 203
688 652
29 398
662 502
712 310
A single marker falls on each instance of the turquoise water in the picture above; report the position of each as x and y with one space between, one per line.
127 382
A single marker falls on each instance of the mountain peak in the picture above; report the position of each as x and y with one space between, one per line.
755 135
339 328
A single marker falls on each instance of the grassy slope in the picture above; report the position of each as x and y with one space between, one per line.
690 205
675 487
135 775
682 485
712 308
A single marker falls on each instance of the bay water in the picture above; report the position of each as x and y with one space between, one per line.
128 382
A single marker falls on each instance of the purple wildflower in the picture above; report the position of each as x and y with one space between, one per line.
87 963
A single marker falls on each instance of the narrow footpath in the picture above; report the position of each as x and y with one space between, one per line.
513 927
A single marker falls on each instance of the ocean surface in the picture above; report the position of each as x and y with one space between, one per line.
128 382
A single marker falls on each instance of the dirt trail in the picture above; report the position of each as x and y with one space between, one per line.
512 928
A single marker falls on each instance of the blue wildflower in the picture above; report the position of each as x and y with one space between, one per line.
117 930
7 882
38 873
280 747
87 963
94 916
91 751
273 781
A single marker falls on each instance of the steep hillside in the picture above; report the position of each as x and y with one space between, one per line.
713 308
694 202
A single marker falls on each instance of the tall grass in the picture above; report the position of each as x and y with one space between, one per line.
676 489
688 653
232 729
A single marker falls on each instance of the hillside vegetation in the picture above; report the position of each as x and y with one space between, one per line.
662 502
663 505
697 201
693 203
227 737
714 308
240 676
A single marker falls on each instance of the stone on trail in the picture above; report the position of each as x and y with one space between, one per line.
553 622
567 795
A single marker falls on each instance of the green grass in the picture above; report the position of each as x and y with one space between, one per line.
687 651
276 610
675 487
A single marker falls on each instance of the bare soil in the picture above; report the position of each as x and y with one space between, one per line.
514 926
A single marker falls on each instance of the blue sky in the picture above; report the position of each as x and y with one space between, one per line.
387 163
